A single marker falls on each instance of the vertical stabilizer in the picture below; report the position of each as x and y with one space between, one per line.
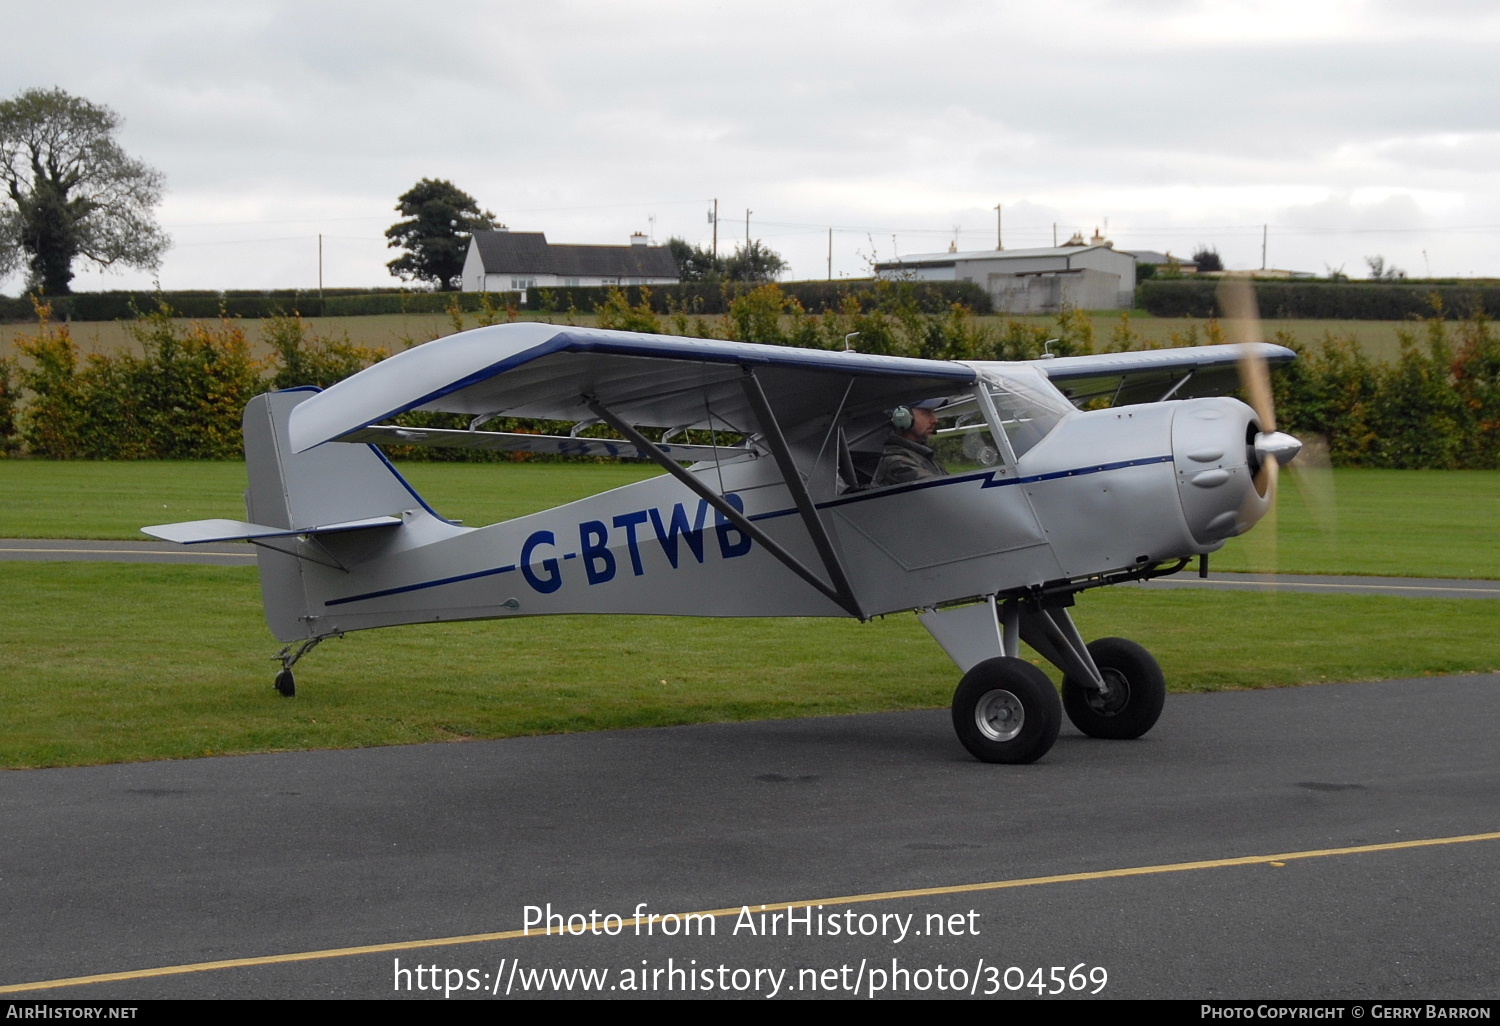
333 483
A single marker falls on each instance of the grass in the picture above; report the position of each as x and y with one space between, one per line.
1378 339
1398 523
91 499
117 662
1393 523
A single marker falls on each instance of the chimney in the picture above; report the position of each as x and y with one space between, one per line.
637 238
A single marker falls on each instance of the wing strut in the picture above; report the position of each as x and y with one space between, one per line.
718 502
771 430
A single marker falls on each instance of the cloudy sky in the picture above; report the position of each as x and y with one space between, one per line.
1348 127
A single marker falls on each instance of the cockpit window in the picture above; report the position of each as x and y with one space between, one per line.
963 441
1028 404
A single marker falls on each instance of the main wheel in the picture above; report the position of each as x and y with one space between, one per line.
1137 692
286 684
1006 710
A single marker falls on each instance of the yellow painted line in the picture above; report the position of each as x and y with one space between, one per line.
849 899
135 552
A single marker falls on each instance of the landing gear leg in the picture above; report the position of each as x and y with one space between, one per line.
1112 688
1137 692
285 683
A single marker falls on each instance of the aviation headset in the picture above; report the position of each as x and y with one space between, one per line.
901 418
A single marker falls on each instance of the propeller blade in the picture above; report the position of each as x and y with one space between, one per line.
1313 472
1242 325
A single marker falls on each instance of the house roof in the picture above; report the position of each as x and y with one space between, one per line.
1149 256
531 253
949 259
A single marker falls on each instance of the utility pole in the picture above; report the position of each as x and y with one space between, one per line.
320 274
1054 234
999 239
748 212
1263 230
830 254
715 219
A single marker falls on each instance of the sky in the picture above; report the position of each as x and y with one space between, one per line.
1335 130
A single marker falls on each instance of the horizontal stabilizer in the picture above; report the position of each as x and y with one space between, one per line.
199 532
559 445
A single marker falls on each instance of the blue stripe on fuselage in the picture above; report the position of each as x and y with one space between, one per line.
987 477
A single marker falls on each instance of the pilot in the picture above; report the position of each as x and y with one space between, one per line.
907 456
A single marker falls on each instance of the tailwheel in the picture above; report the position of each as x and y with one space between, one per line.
1136 692
1006 710
285 683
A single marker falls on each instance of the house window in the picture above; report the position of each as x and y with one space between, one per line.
522 283
609 281
572 281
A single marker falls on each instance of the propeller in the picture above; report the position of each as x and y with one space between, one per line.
1271 449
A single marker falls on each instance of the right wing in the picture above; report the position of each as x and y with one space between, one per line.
1151 375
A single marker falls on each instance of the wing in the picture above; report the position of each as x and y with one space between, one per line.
550 372
772 395
1156 374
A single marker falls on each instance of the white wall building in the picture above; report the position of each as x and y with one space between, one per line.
1029 281
507 261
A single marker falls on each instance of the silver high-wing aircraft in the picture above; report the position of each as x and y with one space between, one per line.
775 513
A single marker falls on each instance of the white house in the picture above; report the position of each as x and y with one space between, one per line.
507 261
1089 277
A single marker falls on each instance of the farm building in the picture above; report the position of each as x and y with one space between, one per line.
1089 277
507 261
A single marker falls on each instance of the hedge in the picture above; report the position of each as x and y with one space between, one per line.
698 298
1326 300
930 297
1437 406
116 306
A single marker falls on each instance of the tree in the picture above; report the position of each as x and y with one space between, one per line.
436 238
693 262
754 262
1381 271
1206 258
71 191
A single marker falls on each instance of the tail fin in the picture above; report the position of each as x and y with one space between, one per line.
332 484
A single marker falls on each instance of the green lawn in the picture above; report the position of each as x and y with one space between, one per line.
118 662
89 499
1416 523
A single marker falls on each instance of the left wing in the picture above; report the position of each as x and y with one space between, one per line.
550 372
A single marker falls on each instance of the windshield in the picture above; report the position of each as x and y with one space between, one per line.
1028 404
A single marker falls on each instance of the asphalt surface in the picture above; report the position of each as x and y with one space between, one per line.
240 554
137 867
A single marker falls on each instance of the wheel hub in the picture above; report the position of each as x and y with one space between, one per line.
1118 697
999 715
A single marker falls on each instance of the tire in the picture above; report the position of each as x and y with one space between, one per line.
286 684
1006 710
1138 692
